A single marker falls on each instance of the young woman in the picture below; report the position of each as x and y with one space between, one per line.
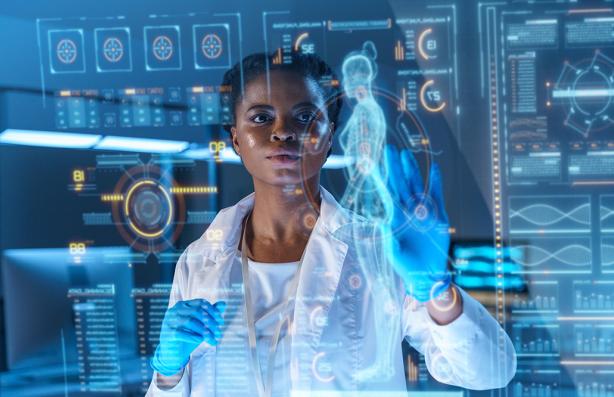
273 300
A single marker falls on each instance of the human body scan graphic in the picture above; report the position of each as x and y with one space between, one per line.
363 138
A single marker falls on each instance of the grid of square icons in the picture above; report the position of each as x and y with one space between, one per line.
113 52
66 51
162 48
211 46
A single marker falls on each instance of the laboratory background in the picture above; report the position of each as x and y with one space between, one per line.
113 159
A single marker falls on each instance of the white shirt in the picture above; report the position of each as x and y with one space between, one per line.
269 286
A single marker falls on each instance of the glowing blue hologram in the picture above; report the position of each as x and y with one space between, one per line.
363 138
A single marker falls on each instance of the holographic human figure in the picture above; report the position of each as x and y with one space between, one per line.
363 138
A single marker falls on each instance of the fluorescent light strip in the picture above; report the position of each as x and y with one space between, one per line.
49 139
70 140
334 161
141 145
199 153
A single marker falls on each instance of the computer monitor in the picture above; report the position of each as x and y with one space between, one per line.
46 288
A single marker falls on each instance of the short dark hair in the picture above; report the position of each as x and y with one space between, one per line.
307 65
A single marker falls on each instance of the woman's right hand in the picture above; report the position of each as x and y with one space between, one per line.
185 326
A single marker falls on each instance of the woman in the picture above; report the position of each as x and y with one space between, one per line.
276 282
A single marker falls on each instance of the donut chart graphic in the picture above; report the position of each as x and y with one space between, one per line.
66 51
425 51
113 49
430 97
162 48
211 46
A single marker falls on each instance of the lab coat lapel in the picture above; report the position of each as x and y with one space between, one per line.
215 253
318 279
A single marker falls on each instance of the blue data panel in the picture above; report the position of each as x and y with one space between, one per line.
127 109
547 75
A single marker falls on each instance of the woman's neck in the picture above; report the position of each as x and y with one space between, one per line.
277 231
277 210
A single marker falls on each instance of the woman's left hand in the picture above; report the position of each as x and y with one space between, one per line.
418 237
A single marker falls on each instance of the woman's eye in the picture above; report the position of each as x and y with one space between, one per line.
306 117
261 118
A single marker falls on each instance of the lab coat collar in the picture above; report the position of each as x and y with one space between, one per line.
228 222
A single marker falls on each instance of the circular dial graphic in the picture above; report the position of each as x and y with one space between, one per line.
113 49
163 48
431 97
427 46
211 46
148 208
149 217
587 101
66 51
585 90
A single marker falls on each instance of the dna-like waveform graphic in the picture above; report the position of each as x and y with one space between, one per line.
528 128
607 254
576 255
546 215
606 214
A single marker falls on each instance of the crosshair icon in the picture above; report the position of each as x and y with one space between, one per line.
66 51
211 45
113 49
163 48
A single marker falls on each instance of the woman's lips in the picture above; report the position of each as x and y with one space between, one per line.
282 159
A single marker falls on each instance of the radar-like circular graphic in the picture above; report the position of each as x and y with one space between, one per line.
66 51
163 48
149 217
211 46
585 89
113 49
148 208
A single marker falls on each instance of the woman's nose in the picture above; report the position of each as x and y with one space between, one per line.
283 134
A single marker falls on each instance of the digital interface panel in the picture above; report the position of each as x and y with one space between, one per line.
513 99
119 49
547 76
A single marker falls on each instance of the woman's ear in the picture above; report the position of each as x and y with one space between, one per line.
235 139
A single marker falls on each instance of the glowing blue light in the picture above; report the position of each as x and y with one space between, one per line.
487 252
488 282
478 266
336 161
583 93
49 139
141 145
201 153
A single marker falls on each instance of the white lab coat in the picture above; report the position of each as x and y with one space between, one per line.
472 351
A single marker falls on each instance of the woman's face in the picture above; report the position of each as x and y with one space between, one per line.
283 138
